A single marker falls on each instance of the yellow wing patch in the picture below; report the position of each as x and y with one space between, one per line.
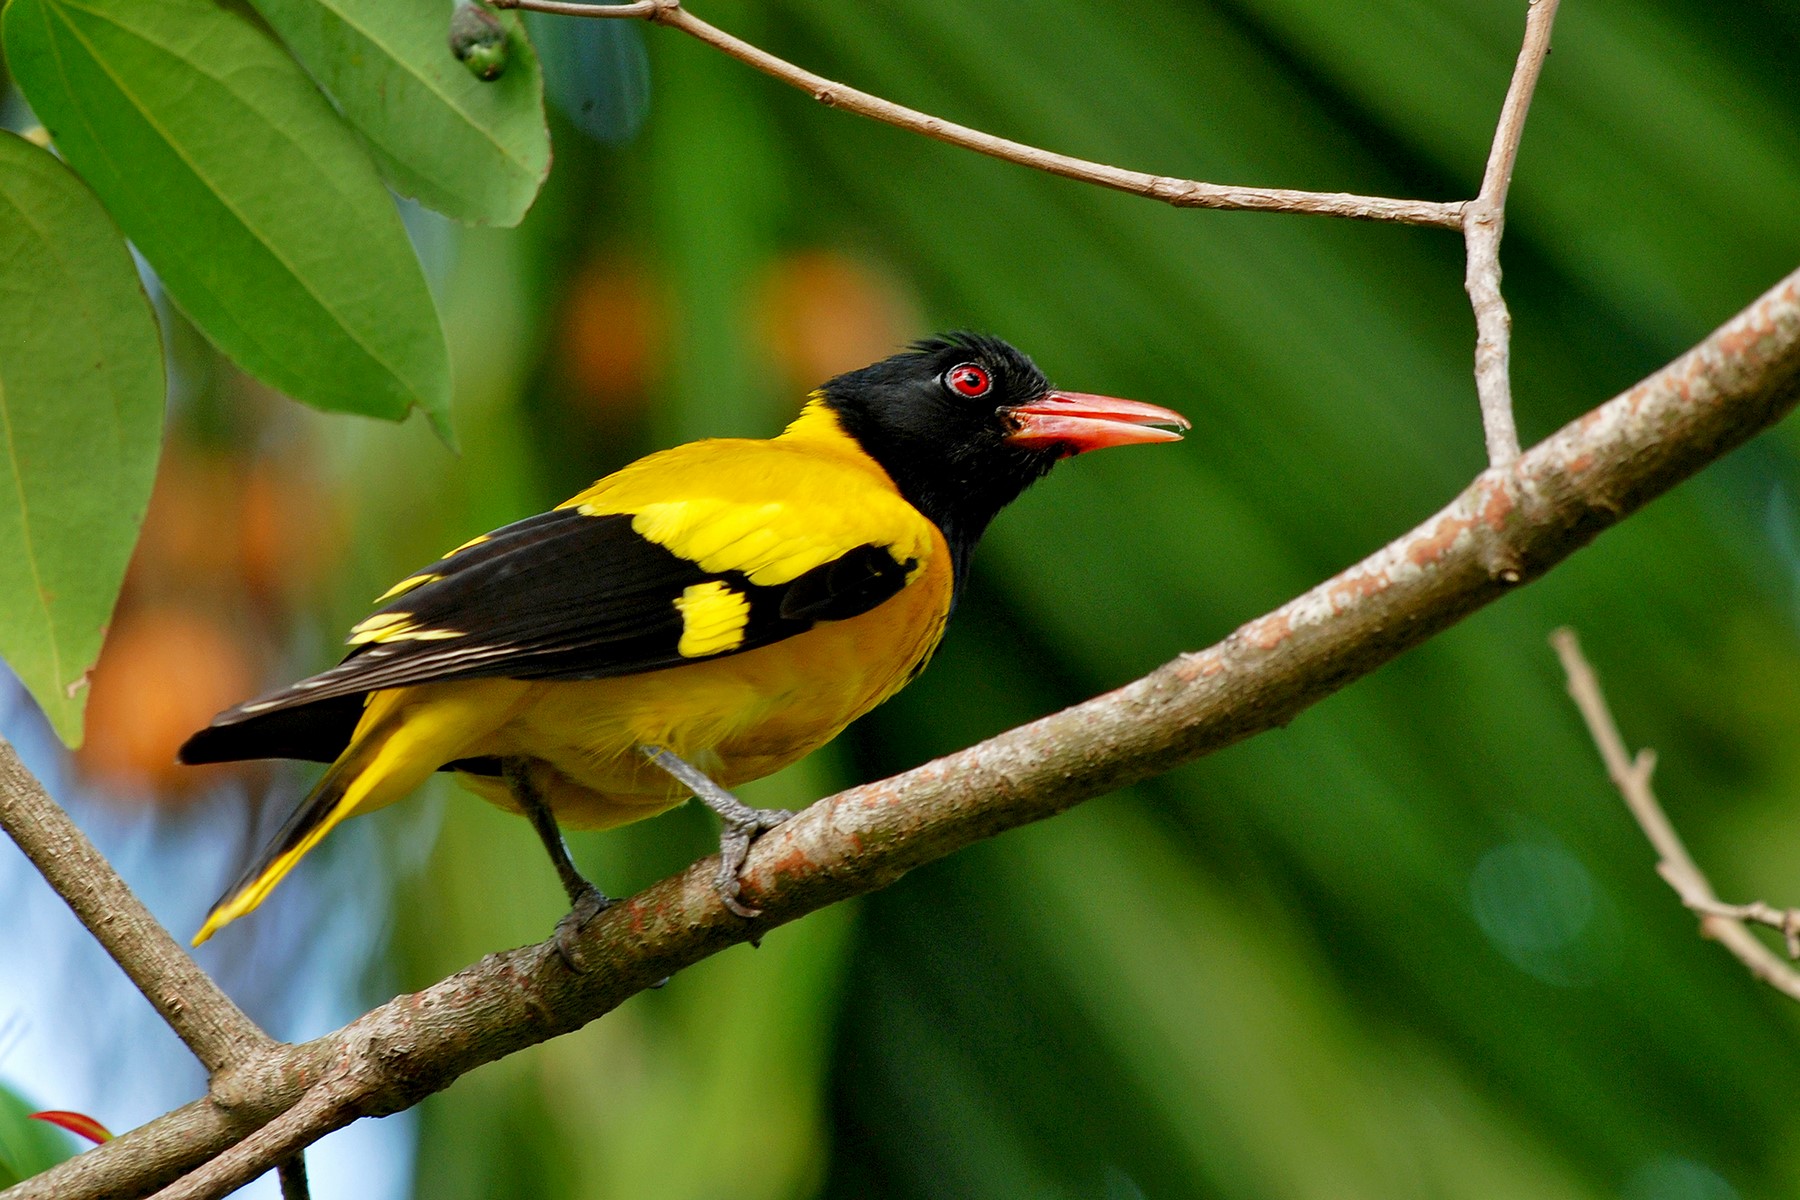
772 510
396 627
720 536
712 619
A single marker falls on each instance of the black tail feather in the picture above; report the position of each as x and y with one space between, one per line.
316 732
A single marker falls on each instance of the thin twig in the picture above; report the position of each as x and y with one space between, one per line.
1631 775
1481 220
292 1174
1182 193
214 1028
1484 220
1505 528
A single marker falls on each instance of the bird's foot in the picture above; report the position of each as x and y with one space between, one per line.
739 833
585 900
588 905
743 824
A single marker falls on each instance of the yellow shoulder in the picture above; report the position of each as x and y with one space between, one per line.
770 509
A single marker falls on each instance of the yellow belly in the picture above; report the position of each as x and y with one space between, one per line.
736 718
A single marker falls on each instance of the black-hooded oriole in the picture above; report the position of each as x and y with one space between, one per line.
705 616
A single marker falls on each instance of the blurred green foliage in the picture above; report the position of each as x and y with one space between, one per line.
26 1146
1410 946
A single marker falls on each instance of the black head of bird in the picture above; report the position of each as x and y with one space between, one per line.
963 423
700 618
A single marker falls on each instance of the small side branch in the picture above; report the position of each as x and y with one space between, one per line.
1484 220
293 1179
1182 193
1725 923
214 1028
324 1108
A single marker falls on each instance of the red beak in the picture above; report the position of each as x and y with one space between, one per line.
1079 422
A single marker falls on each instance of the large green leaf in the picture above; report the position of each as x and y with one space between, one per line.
472 150
81 407
258 207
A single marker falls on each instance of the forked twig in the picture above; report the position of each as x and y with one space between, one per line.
1484 220
280 1142
1724 923
1481 220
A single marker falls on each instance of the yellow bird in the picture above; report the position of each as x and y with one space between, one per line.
705 616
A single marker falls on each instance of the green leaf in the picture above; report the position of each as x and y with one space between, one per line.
472 150
258 207
26 1146
81 409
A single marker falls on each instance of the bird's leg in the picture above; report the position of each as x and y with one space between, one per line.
585 900
742 823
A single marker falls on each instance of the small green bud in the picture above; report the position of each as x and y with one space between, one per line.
478 40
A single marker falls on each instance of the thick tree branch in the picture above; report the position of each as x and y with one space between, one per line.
1630 773
1484 220
1182 193
1509 526
204 1017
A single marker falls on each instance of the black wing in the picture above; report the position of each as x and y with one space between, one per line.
564 595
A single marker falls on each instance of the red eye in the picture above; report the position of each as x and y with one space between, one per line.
968 380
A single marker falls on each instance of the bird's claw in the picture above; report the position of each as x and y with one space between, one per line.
735 841
590 904
742 824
